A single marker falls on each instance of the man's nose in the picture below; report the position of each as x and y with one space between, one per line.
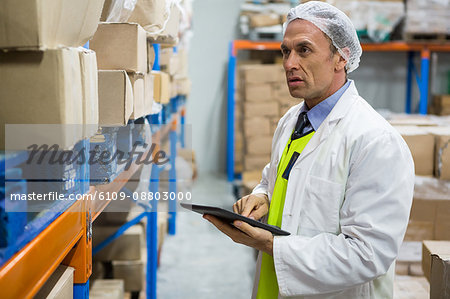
291 63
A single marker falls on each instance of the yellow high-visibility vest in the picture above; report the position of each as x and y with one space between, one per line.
268 285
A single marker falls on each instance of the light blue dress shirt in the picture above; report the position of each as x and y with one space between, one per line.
318 113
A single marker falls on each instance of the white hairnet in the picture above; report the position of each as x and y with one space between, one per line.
335 24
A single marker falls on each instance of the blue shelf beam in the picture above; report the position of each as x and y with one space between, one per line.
230 112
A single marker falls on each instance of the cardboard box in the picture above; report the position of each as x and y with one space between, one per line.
273 125
412 120
263 73
149 91
442 151
433 206
120 46
258 92
433 211
107 288
35 24
261 109
251 176
440 276
421 145
124 248
59 284
165 53
183 63
441 101
174 65
89 81
263 20
419 230
138 84
284 109
41 88
281 91
183 86
161 87
238 141
410 287
432 251
256 126
132 274
115 94
256 162
173 89
259 144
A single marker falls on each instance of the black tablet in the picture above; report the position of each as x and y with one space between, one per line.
231 216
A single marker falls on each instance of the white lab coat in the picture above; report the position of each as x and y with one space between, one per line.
347 204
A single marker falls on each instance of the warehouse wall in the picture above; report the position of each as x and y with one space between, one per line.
215 25
380 79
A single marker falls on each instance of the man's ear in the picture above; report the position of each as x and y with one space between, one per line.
341 61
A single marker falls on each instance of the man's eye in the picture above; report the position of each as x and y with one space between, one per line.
285 52
304 50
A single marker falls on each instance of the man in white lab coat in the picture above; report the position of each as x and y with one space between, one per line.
340 178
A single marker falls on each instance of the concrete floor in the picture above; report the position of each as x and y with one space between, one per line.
201 262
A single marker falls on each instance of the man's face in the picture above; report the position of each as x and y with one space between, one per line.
307 60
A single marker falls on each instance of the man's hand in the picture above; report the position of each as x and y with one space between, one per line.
253 206
244 233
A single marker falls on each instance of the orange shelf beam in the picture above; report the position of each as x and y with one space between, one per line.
369 47
27 271
64 241
403 46
255 45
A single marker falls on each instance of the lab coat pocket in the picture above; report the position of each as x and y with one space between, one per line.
320 208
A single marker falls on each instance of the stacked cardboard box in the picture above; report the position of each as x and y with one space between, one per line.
441 105
107 288
174 67
124 59
59 284
436 267
427 17
127 247
262 98
421 145
52 82
428 139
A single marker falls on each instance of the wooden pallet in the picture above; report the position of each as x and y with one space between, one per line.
427 36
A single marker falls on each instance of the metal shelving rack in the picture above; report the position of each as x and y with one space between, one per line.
411 48
67 239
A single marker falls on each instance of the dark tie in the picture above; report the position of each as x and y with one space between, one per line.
302 122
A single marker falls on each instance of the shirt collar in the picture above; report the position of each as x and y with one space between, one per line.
318 113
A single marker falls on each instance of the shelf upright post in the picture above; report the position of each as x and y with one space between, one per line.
81 290
156 48
152 223
409 74
80 257
173 178
424 76
182 124
230 111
